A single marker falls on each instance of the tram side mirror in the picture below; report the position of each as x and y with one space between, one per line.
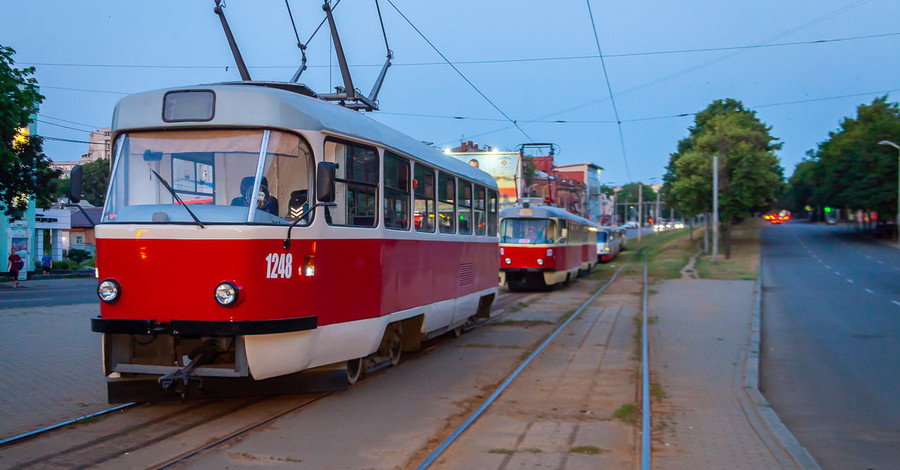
75 185
325 172
152 156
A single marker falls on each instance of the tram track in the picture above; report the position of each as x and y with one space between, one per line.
138 428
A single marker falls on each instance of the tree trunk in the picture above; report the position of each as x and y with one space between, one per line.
691 229
725 230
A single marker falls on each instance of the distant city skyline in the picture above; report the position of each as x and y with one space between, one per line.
802 66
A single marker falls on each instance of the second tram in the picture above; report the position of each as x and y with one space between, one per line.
542 246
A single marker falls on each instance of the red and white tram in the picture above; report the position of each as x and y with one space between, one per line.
216 266
542 246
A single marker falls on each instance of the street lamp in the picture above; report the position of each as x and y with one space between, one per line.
897 220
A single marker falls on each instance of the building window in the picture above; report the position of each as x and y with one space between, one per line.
396 192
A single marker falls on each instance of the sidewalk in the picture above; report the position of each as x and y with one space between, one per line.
699 342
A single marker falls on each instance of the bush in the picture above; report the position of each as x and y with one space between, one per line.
63 264
79 256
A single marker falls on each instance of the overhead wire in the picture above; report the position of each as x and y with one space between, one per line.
513 121
612 98
494 61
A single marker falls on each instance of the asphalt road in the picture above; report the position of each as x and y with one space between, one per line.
48 292
831 342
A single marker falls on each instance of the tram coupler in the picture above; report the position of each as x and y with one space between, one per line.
182 378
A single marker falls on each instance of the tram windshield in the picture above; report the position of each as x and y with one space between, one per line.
526 231
602 237
216 173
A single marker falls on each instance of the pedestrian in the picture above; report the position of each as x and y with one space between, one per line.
47 263
14 265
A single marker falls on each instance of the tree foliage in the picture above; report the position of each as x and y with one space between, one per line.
750 177
24 169
95 179
850 169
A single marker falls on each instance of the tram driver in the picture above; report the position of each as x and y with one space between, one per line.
267 202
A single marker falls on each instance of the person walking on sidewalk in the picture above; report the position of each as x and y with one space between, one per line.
46 263
14 264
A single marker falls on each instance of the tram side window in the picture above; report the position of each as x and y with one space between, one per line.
465 207
480 225
356 184
447 203
424 206
396 192
492 214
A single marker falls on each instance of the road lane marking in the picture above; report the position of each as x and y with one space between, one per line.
867 256
850 281
880 262
870 291
827 267
821 261
29 299
837 273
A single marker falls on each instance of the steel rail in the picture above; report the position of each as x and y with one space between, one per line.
484 406
645 386
10 440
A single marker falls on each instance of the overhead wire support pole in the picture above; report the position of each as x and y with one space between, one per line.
239 61
511 120
715 215
612 99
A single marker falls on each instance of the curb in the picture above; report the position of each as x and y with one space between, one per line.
764 410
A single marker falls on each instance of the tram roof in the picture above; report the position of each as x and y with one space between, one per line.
543 212
272 105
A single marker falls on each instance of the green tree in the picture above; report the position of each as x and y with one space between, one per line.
24 169
852 170
95 179
629 194
750 177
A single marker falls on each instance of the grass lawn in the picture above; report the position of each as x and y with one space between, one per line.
744 261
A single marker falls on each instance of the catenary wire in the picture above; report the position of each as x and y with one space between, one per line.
612 98
514 123
492 61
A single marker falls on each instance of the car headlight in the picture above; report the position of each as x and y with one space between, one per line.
108 290
226 294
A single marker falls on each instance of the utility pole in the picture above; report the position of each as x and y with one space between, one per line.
715 227
640 210
656 219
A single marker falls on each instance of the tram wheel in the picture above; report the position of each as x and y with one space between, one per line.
394 343
355 370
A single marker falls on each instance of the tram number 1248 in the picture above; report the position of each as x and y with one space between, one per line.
279 265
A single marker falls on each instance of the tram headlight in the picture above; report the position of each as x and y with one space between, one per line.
508 261
108 290
226 294
540 262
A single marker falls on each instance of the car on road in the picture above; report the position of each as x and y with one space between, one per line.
630 224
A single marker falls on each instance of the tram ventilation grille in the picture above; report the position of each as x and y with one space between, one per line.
466 274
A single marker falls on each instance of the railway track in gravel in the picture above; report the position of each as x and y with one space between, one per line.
143 428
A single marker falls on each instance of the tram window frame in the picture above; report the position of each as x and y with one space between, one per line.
479 210
465 207
396 190
446 204
421 191
350 191
493 211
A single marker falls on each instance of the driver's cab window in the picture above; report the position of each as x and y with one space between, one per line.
286 179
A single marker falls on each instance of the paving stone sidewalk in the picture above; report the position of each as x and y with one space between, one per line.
50 369
699 341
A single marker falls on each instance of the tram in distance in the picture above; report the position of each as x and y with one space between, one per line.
543 246
610 241
256 239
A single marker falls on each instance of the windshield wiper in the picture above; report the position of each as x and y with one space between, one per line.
175 196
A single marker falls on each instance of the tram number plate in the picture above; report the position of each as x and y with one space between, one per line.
279 265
